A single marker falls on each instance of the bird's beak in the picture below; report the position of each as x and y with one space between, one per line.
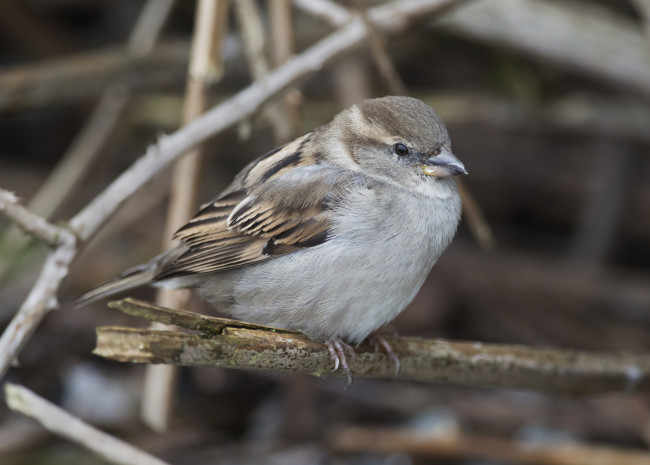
443 165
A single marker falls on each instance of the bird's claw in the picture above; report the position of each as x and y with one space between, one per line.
378 340
336 349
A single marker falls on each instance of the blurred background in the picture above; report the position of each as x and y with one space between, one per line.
548 106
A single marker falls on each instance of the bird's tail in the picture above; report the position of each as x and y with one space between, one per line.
137 276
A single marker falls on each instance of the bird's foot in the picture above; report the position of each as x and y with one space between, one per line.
377 339
337 349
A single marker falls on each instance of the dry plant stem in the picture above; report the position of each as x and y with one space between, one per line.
463 446
282 39
392 18
148 27
83 151
60 422
475 218
282 32
204 69
29 222
252 32
233 344
381 58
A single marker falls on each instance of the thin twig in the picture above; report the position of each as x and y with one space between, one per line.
392 18
29 222
147 29
475 217
62 423
205 69
233 344
382 60
463 446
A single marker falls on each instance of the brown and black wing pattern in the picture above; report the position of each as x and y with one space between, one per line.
265 213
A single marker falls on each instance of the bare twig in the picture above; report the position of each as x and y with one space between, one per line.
392 18
29 222
70 427
239 345
204 70
82 152
476 221
463 446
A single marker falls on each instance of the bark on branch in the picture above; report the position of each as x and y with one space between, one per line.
235 344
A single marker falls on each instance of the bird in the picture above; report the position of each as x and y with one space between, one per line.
332 234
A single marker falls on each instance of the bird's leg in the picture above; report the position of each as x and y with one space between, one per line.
378 340
337 348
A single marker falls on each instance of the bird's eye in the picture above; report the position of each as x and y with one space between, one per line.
400 149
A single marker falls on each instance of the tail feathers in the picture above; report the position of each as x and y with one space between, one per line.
134 277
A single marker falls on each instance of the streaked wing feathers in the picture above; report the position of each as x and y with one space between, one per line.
265 213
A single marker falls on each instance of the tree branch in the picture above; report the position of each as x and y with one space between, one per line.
29 222
234 344
70 427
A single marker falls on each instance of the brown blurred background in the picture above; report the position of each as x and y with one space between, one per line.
548 106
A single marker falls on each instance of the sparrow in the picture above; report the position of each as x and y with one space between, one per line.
331 234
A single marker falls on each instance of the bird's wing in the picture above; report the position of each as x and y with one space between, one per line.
274 207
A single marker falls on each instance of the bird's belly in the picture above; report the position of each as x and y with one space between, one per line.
325 291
